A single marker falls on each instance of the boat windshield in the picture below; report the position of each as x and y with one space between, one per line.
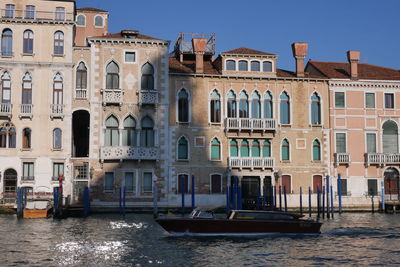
260 216
201 214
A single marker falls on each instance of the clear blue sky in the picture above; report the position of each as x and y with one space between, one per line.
331 27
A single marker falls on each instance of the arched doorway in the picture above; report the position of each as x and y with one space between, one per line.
10 182
80 134
392 183
390 137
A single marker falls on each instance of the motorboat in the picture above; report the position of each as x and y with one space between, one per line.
239 222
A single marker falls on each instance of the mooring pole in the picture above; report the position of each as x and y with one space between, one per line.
124 200
318 202
19 202
275 203
183 194
280 198
383 196
301 201
193 193
372 203
309 201
323 202
228 208
86 201
55 200
272 198
155 200
339 181
284 193
239 193
332 207
327 198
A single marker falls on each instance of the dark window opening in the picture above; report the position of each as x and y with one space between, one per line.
80 132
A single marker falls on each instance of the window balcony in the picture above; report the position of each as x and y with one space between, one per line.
38 16
57 111
27 179
5 109
112 97
249 124
26 111
148 97
381 159
342 158
129 153
251 163
80 94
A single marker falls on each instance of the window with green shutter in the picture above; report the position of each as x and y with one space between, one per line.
371 143
244 149
255 149
267 149
340 143
285 150
369 100
183 148
316 150
339 100
215 149
234 149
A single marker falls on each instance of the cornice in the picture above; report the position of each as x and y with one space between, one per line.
390 84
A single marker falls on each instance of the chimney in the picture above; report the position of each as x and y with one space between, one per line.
299 53
199 47
353 56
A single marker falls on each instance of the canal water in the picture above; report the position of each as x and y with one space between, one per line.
109 240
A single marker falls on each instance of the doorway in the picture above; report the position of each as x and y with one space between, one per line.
391 177
250 191
80 134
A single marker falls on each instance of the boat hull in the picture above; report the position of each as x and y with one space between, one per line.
241 227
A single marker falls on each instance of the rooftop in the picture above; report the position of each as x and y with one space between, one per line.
91 9
247 51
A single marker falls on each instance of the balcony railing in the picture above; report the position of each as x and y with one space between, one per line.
382 158
27 178
342 158
251 163
126 152
248 124
57 111
80 94
26 110
112 97
148 97
5 109
36 15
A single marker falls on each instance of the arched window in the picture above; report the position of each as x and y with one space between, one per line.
111 137
268 106
316 150
81 20
255 66
6 88
234 149
147 77
267 149
285 108
243 105
231 105
27 89
99 21
7 131
315 109
129 135
81 76
215 149
230 65
183 149
26 138
267 66
390 137
215 107
147 133
7 43
58 89
28 42
57 138
244 149
59 43
255 106
243 65
285 150
183 106
112 77
255 149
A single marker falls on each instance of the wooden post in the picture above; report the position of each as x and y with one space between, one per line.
280 198
339 181
55 201
332 207
309 201
301 201
327 198
318 203
323 202
383 196
239 193
275 203
86 201
284 193
19 203
183 194
155 200
193 193
228 208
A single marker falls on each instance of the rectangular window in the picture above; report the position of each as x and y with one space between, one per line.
339 100
58 169
147 182
60 13
10 9
371 143
343 187
109 182
30 12
340 143
369 100
183 182
130 182
389 100
216 184
28 171
130 57
372 187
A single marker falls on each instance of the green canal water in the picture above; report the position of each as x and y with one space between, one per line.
358 239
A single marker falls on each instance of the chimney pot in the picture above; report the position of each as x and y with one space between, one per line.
299 53
199 47
353 56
